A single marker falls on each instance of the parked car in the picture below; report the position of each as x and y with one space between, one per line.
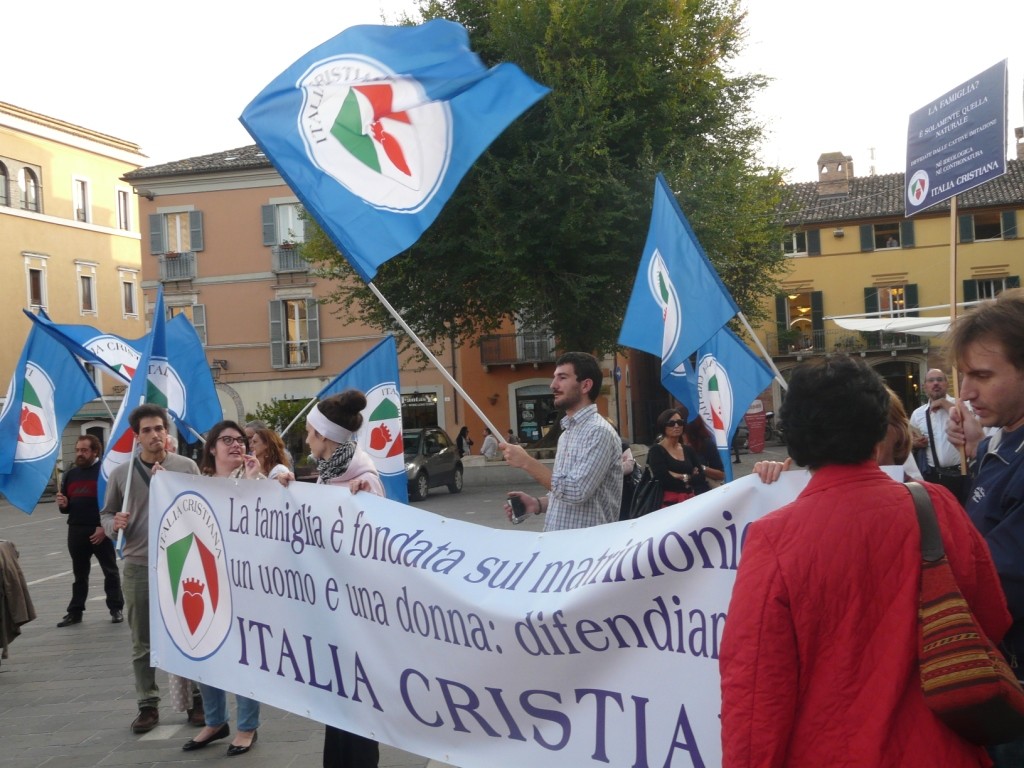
430 460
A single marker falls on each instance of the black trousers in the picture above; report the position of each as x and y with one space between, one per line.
347 750
82 551
950 477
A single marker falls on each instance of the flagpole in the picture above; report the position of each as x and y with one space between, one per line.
437 363
764 352
127 490
298 416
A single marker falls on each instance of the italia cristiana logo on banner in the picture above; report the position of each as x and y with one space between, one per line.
715 398
192 577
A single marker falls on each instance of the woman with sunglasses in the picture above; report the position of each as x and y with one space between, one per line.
225 454
675 465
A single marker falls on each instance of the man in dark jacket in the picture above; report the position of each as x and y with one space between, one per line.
987 344
77 499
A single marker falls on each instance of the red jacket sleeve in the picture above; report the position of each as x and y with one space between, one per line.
758 660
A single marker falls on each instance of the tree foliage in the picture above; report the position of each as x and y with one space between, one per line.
550 224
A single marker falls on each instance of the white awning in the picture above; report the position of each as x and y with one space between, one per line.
919 326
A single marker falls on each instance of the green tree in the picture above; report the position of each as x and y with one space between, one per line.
550 223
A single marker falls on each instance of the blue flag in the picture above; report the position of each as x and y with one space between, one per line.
155 381
197 407
375 128
678 300
48 388
681 383
729 378
376 375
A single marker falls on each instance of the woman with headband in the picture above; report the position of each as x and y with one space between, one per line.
330 427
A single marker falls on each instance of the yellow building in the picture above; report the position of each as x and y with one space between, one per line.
69 237
853 252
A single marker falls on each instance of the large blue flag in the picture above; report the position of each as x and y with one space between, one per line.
678 300
375 128
729 378
376 374
51 385
681 382
197 408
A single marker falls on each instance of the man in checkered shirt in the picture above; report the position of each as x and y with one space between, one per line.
585 483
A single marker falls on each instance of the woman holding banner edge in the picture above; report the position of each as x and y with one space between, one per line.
225 454
330 428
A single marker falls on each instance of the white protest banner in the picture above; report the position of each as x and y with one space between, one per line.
451 640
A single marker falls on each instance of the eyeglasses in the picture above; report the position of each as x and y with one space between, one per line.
227 440
674 423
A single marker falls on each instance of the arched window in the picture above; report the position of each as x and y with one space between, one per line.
5 193
29 184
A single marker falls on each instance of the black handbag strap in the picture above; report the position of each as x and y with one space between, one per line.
931 538
931 437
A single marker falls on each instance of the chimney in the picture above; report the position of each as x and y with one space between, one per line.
1019 133
834 173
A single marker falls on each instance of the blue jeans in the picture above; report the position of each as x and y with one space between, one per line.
136 600
215 705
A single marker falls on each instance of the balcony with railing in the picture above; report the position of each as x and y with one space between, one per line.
793 342
517 348
287 257
177 266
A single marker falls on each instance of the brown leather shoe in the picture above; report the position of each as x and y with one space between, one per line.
196 715
147 720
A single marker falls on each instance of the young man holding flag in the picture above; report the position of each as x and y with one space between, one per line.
150 424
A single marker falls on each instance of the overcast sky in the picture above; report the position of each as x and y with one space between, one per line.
174 78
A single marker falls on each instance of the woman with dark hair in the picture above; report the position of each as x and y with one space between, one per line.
674 464
463 443
224 455
819 656
697 436
330 427
267 446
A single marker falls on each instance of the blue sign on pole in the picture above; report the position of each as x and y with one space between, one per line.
958 141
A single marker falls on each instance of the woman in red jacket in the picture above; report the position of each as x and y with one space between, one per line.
819 654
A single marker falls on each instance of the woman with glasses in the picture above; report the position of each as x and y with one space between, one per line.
225 454
675 465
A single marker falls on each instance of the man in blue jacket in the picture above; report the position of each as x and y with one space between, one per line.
988 347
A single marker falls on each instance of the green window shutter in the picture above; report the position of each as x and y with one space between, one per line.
970 290
814 242
269 215
867 237
1013 281
277 320
872 338
199 321
781 315
156 233
907 234
870 300
1009 222
195 225
966 229
910 296
818 320
313 329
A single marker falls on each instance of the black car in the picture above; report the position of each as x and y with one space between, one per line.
430 460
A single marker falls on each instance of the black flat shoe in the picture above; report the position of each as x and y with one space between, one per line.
233 750
222 733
